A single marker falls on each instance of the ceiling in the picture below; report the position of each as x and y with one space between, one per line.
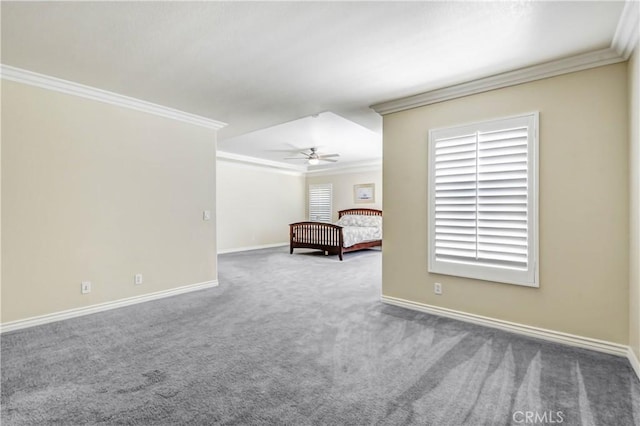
256 65
328 132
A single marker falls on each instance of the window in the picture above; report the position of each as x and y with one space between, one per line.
320 200
483 200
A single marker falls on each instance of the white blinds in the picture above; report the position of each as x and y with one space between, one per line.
320 202
480 195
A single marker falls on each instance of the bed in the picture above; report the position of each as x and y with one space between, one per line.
356 229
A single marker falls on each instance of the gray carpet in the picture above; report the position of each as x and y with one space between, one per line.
301 339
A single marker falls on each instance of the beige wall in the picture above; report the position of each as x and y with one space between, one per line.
584 209
256 204
96 192
342 184
634 203
1 85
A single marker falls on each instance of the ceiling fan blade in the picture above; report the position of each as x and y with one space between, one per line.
292 149
328 159
329 155
295 158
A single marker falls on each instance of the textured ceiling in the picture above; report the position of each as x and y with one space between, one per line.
258 64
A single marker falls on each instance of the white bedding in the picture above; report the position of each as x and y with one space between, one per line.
359 229
359 234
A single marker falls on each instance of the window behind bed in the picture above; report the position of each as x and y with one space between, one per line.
320 202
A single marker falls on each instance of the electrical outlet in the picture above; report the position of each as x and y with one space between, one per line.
137 279
437 288
206 215
85 287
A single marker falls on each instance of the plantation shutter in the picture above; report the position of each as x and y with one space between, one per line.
320 202
481 201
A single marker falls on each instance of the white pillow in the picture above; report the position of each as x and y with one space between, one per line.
346 220
360 220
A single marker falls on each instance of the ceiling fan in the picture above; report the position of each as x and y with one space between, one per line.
313 157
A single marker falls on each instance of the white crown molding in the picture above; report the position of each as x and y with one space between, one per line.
625 40
261 163
275 166
249 248
101 307
524 75
627 34
347 168
64 86
526 330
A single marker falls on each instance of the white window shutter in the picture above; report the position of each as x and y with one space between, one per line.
482 200
502 198
320 202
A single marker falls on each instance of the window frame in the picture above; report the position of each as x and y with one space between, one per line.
328 186
528 277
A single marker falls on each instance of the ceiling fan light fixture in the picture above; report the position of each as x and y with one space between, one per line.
313 161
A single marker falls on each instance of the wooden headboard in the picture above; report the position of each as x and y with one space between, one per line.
365 212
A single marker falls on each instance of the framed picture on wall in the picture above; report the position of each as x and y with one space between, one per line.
364 193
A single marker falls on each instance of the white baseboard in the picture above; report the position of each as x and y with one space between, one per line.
633 360
264 246
540 333
78 312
